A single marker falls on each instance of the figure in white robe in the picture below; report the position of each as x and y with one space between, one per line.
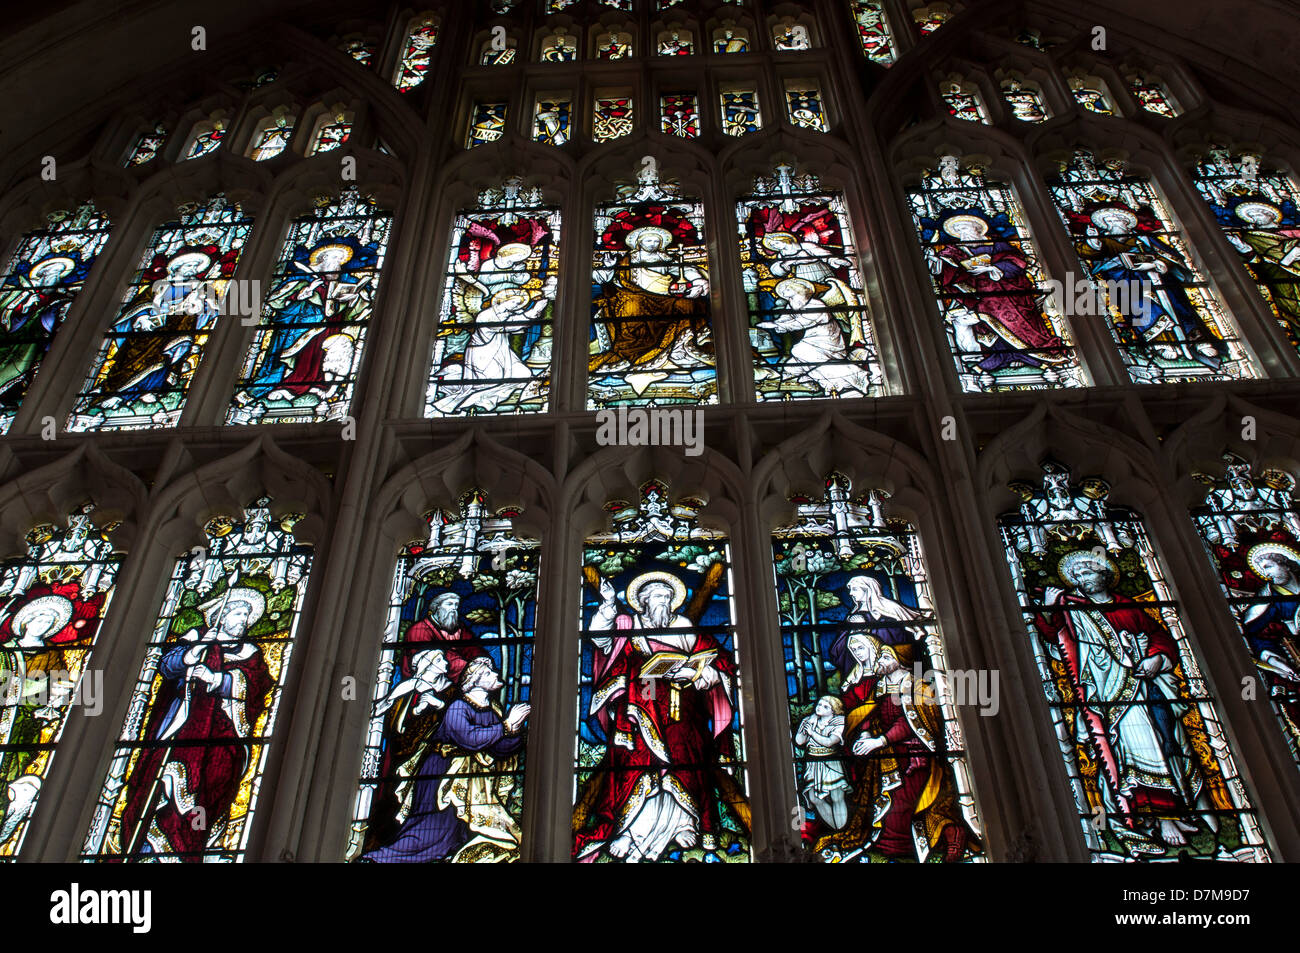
819 358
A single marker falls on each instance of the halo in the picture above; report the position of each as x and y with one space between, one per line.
982 225
256 602
1274 212
1065 568
204 260
314 258
511 294
514 248
795 284
1261 550
668 579
1111 211
633 238
41 267
60 606
778 238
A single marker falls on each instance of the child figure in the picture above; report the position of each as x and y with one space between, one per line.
821 734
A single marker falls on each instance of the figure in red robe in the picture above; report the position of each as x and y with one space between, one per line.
215 687
1121 666
664 695
444 628
989 278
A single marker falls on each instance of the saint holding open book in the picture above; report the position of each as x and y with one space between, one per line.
665 694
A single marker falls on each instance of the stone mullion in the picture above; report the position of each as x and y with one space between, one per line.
298 806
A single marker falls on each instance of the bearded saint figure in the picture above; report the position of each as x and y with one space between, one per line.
656 306
655 787
215 688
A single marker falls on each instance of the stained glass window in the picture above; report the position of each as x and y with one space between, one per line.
1152 773
1026 102
740 112
964 103
1169 324
442 775
1004 328
331 135
1256 207
553 118
54 600
660 772
302 365
730 39
142 372
39 284
651 337
613 46
504 56
1251 527
414 64
804 105
1151 95
1091 96
791 36
661 5
206 138
809 327
612 116
873 31
676 43
928 19
679 114
559 47
870 689
487 123
185 776
555 6
624 5
492 352
147 146
271 140
361 50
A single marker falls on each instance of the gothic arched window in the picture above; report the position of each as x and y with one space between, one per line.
1003 327
1151 771
302 365
869 685
1090 93
873 31
1257 209
184 780
332 131
1026 100
1251 527
805 108
809 326
492 352
206 137
963 101
142 372
651 337
679 115
44 276
272 137
660 772
455 669
1165 316
414 63
1152 95
147 145
54 600
487 123
612 115
553 118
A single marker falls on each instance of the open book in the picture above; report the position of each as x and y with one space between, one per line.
668 664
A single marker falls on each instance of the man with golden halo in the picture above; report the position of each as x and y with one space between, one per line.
656 305
665 695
